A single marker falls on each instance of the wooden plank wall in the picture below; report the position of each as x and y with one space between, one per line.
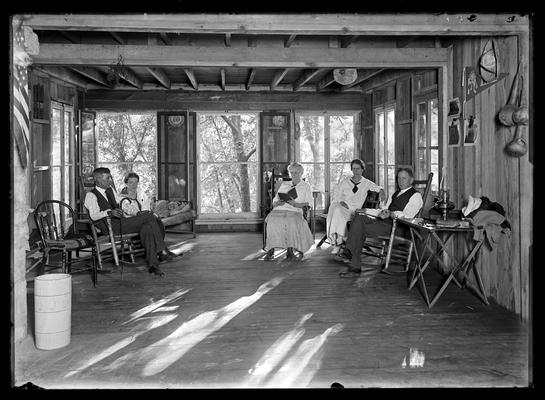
486 170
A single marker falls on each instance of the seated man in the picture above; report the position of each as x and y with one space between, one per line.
404 202
103 201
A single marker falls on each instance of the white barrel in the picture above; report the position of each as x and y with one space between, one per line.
52 310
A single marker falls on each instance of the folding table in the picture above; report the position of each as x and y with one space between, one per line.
423 235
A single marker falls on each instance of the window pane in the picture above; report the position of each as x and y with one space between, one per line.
67 184
228 183
390 130
314 175
434 123
422 124
341 139
421 169
435 179
311 141
381 181
379 126
56 189
338 171
56 149
391 180
87 139
67 139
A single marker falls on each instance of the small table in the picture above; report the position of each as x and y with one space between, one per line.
428 233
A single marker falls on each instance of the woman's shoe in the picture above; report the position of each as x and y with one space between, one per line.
269 256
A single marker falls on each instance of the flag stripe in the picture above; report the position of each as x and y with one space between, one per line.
20 101
22 125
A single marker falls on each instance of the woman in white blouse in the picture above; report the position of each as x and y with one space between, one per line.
349 195
286 227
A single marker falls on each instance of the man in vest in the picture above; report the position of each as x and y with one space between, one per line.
404 202
103 201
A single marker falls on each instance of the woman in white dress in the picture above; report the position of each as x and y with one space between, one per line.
286 227
349 195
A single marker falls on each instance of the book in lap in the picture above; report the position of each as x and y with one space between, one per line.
290 195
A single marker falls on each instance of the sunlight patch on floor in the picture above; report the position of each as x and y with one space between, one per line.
416 359
155 323
183 247
168 350
275 353
300 368
155 305
255 255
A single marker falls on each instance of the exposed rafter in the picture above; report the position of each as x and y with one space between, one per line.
118 38
278 78
191 76
64 74
131 78
166 38
92 74
362 76
305 77
160 75
222 81
251 76
69 36
348 40
326 81
289 40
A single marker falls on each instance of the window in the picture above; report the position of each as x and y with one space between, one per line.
427 142
53 157
128 142
385 149
228 165
325 145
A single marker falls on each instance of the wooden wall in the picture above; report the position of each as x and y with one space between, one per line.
486 170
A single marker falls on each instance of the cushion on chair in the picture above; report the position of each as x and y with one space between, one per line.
72 242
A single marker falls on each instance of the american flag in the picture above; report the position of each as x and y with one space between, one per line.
21 123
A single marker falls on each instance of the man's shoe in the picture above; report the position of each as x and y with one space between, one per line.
156 270
166 255
269 256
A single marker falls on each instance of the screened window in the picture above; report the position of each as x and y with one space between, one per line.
427 142
228 164
126 143
385 149
325 147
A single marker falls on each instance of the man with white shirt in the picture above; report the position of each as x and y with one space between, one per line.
404 202
103 201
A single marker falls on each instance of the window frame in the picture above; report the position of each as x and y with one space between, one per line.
327 148
384 109
427 99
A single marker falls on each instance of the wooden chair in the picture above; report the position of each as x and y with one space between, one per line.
107 241
56 223
371 201
399 248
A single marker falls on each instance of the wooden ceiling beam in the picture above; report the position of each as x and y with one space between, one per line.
278 78
326 81
64 74
291 24
251 76
222 79
348 40
192 79
289 40
362 76
305 77
149 55
383 79
160 75
92 74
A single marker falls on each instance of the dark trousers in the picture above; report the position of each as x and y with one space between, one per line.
361 228
149 231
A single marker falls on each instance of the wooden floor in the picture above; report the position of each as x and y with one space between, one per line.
223 318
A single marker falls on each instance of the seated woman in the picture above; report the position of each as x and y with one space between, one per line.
137 201
349 195
286 227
